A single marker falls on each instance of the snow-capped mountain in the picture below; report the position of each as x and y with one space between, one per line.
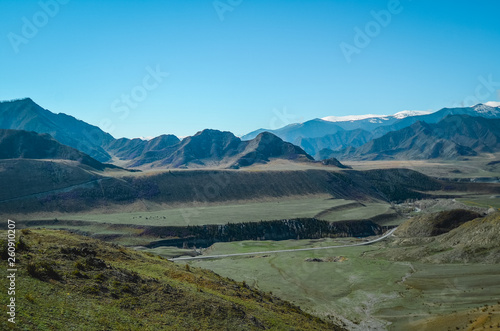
337 132
488 108
376 118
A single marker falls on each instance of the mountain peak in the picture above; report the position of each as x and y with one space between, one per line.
487 108
407 113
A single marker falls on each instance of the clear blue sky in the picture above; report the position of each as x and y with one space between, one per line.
245 64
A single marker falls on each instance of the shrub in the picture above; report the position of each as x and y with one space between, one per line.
42 270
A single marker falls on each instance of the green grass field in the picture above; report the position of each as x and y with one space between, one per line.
369 210
486 201
217 214
368 291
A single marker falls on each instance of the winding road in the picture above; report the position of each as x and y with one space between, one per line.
387 234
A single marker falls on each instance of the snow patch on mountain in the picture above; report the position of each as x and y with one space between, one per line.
493 103
351 118
485 109
407 113
376 118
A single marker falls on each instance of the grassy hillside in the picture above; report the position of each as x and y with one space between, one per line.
475 241
70 282
418 283
44 186
429 225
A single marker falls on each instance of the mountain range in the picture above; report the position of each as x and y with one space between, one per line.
23 119
453 137
447 133
338 133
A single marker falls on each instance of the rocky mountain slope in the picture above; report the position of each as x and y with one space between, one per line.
217 148
453 137
206 148
336 133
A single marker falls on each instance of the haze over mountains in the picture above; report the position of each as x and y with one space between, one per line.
338 133
447 133
453 137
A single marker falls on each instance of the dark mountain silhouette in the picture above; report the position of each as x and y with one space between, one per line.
217 148
26 115
206 148
453 137
17 144
128 149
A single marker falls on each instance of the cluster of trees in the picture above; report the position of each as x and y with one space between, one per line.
301 228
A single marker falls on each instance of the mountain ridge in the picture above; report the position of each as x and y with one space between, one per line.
453 137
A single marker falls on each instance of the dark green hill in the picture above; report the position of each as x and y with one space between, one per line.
18 144
68 282
26 115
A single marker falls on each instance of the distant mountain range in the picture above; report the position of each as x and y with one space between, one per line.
453 137
405 135
337 133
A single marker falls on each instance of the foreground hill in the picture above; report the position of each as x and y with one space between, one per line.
453 137
65 281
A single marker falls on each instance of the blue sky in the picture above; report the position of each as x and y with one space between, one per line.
144 68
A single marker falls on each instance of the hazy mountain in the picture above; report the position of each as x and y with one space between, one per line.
336 133
332 124
309 129
454 136
26 115
217 148
480 110
17 144
334 142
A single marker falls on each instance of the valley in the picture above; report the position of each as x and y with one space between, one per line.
377 240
